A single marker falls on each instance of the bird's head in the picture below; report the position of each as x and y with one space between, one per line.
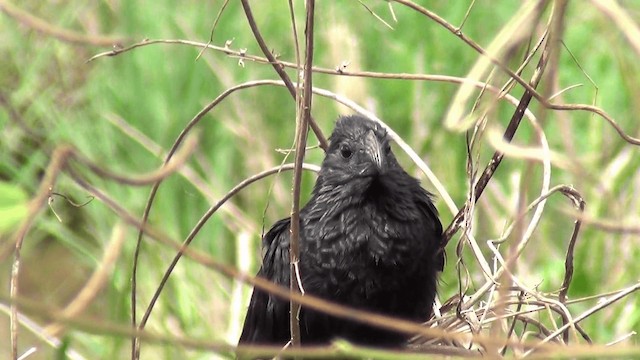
359 152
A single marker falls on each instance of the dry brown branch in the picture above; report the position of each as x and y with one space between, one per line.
108 328
512 34
48 29
458 33
431 176
170 167
603 304
186 130
607 225
525 236
520 320
529 89
135 345
303 120
279 69
284 293
213 27
373 13
508 135
577 200
579 203
59 161
95 283
302 300
196 229
378 75
30 325
233 215
332 96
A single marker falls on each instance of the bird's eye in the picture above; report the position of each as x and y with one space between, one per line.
345 151
387 148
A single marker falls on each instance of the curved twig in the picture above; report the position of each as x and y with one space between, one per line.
303 120
60 160
601 305
378 75
509 133
203 220
279 69
44 27
568 262
319 304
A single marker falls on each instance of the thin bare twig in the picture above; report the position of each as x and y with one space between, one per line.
279 69
568 263
48 29
310 301
95 283
135 344
213 28
378 75
601 305
495 161
203 220
70 201
58 161
302 128
170 167
458 33
608 225
376 15
295 281
466 15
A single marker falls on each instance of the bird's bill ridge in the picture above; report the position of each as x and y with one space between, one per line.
373 148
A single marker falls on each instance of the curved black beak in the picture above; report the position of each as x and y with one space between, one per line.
373 148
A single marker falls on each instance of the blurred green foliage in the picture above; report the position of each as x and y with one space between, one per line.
51 95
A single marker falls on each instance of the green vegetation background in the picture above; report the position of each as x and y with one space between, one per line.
50 95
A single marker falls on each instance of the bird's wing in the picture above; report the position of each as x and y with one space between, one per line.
267 320
425 203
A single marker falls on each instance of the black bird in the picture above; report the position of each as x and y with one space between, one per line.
370 238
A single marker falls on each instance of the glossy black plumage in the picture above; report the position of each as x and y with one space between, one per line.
369 238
